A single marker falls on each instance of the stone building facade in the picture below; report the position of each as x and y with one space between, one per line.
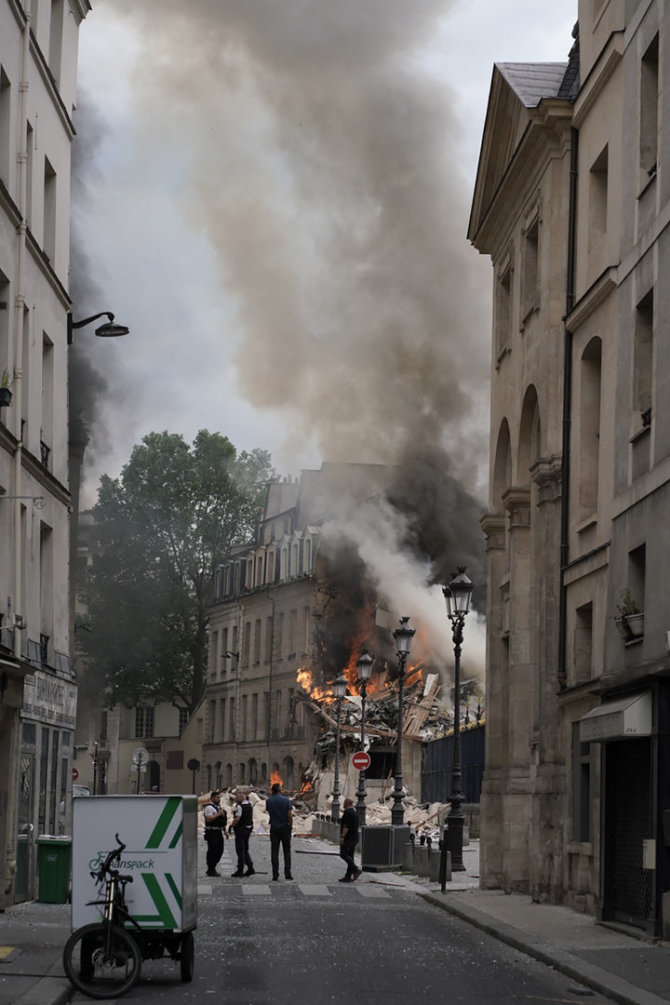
570 203
38 60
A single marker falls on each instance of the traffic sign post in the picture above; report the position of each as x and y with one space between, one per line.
360 760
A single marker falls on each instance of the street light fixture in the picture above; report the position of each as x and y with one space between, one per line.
107 330
364 665
457 595
340 689
403 642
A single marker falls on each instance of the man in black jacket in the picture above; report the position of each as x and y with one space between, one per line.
349 840
216 819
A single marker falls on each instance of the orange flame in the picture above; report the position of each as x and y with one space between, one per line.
305 679
275 778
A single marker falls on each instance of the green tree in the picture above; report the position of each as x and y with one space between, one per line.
162 528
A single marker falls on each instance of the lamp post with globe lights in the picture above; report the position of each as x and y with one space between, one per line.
403 641
340 689
457 595
364 665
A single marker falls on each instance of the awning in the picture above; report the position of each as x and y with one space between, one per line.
617 719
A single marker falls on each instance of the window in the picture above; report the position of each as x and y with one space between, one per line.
46 582
244 717
583 643
56 38
231 718
280 636
581 787
254 717
257 642
278 711
642 364
649 113
503 310
589 431
144 721
5 126
268 640
637 568
598 183
212 721
531 252
50 202
247 644
46 437
292 632
184 716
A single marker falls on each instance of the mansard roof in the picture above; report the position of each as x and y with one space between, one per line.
533 81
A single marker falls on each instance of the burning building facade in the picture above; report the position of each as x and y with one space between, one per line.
294 609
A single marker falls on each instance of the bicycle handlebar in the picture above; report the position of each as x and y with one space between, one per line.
113 854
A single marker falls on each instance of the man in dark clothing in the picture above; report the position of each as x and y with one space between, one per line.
349 840
280 812
215 829
243 824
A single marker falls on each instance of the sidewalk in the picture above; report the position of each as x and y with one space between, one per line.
634 971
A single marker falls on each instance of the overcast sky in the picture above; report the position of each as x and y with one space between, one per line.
274 196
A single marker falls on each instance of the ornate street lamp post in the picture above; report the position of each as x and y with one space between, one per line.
340 688
457 595
403 641
364 665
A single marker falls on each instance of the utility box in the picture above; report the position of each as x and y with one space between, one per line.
160 834
383 847
53 864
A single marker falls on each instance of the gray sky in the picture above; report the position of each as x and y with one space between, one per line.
275 197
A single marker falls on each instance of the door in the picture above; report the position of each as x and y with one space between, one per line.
628 886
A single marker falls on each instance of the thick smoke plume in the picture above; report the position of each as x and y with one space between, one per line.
321 158
320 155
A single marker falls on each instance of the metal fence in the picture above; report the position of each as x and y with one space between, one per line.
437 760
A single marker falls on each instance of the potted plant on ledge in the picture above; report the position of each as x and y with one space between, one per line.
5 390
631 619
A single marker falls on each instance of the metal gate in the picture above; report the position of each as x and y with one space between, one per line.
628 822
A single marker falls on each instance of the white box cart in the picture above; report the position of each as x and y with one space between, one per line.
160 834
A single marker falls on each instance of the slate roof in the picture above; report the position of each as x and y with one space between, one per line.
534 81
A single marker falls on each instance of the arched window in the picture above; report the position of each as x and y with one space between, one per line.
253 771
288 773
229 775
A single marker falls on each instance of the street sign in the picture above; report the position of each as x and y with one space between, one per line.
75 774
360 760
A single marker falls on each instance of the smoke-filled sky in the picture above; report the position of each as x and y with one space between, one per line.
273 195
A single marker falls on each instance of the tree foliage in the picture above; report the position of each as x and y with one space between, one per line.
162 528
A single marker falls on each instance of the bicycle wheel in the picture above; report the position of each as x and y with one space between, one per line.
97 971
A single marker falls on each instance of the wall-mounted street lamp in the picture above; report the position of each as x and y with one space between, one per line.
107 330
403 642
340 689
457 595
364 665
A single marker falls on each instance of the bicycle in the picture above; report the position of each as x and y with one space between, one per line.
101 959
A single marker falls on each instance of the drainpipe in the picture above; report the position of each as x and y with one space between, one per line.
19 311
567 409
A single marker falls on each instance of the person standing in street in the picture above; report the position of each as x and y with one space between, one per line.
242 824
216 819
280 812
349 840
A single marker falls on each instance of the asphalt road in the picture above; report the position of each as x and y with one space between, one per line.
316 940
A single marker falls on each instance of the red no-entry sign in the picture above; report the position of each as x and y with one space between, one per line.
360 760
75 774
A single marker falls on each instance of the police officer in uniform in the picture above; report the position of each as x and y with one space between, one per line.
243 823
216 819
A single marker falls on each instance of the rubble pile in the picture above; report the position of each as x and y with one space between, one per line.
423 818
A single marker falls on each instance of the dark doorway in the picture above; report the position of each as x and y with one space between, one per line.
628 888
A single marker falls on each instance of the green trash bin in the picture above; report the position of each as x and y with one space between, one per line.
54 855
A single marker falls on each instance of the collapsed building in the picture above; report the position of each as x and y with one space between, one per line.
294 609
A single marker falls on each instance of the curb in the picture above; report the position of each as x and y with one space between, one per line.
546 952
